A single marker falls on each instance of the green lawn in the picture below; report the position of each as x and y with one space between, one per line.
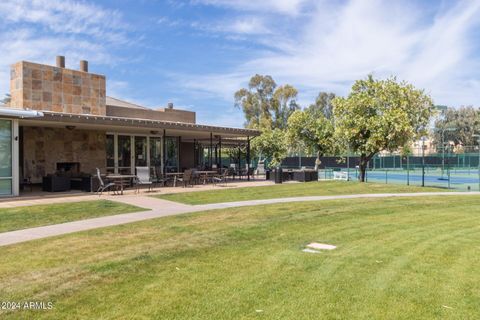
41 215
404 258
321 188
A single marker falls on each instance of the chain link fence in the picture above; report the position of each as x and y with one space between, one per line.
450 171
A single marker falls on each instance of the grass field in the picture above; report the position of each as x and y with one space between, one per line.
404 258
321 188
41 215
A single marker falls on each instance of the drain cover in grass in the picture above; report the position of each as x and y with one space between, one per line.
321 246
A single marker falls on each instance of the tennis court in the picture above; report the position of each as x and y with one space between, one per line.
458 178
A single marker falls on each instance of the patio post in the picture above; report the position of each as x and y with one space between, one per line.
210 151
220 151
179 154
194 152
248 158
239 160
164 147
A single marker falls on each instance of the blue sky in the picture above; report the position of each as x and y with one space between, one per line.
197 53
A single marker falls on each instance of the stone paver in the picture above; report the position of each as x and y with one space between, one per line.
162 208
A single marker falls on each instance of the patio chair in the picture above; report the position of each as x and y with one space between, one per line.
143 178
160 177
205 178
111 186
221 178
195 176
187 178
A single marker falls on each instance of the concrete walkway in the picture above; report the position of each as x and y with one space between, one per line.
162 208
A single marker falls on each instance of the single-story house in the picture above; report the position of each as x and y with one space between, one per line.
61 120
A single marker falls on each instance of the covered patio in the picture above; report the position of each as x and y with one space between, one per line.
61 152
61 132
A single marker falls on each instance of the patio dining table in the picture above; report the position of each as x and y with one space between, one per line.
120 179
177 175
206 173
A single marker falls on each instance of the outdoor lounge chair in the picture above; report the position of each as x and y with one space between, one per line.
143 178
105 187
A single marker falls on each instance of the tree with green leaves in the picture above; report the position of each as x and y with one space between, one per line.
457 125
264 105
284 104
323 105
380 115
267 107
272 145
313 130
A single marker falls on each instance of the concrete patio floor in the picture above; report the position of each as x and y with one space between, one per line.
39 198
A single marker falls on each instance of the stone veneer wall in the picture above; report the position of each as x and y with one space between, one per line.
44 147
42 87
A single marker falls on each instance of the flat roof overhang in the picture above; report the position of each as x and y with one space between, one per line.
16 113
139 126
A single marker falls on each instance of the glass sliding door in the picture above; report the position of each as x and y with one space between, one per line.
6 172
171 159
125 152
110 151
124 155
156 155
140 151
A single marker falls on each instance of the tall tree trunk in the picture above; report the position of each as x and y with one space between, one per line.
364 159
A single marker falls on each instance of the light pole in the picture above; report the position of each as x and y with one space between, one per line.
478 142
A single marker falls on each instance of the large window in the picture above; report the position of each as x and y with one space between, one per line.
156 153
140 151
124 154
5 157
171 161
110 150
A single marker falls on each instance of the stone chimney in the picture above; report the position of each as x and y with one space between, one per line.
55 88
84 65
60 61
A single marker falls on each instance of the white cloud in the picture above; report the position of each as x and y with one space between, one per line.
211 86
66 17
40 29
287 7
341 43
239 26
244 25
